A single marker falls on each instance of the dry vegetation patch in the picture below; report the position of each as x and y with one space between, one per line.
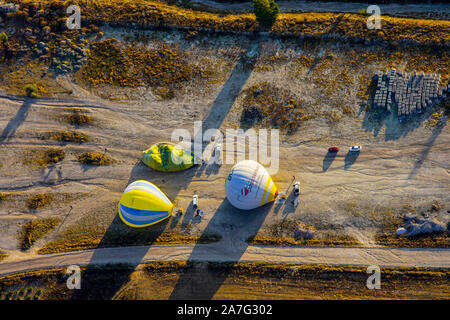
77 118
66 136
45 158
113 64
424 241
75 240
35 230
330 241
39 200
149 13
270 106
30 77
238 280
3 255
95 159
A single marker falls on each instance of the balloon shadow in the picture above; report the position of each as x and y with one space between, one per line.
197 281
119 234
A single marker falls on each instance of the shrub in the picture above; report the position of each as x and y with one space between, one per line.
266 11
3 256
39 200
36 229
269 105
50 156
78 118
3 37
67 136
95 158
31 90
111 63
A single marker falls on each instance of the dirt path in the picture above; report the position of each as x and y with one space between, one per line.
393 9
220 252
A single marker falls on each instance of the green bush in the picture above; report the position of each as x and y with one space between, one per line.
31 90
266 11
3 37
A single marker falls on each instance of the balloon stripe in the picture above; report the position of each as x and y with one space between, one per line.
268 194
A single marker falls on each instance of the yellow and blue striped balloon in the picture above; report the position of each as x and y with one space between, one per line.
143 204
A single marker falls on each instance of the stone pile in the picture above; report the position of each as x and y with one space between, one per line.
407 93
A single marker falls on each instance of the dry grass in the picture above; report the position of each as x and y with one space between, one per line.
157 280
424 241
77 118
271 106
66 136
110 63
35 230
95 159
331 241
15 77
39 200
85 242
157 14
435 120
3 255
45 158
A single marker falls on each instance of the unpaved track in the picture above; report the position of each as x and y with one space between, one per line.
221 252
354 7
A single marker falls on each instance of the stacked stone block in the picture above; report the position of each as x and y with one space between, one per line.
407 94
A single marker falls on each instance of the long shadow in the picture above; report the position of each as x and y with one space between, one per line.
423 155
317 59
237 226
350 159
17 121
118 234
226 98
328 160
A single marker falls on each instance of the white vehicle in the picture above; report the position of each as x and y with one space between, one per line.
218 154
355 148
195 201
296 188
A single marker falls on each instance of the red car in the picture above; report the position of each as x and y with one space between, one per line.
333 149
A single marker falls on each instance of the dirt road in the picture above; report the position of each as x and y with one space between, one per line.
221 252
393 9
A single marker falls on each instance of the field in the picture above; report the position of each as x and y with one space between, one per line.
226 281
71 149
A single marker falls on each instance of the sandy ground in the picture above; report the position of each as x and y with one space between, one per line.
404 10
399 165
407 170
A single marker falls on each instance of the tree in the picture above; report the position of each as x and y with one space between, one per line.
266 11
31 90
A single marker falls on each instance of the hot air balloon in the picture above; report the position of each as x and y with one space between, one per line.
143 204
167 157
249 185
